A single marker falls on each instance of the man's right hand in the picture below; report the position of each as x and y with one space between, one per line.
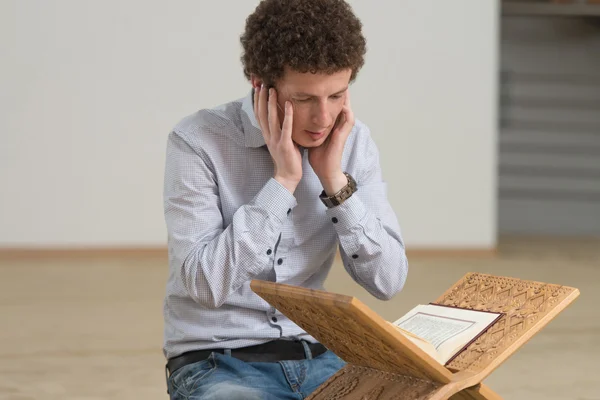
285 153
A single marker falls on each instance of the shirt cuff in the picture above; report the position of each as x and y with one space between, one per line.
347 214
276 199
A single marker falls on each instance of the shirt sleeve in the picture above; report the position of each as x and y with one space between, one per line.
371 244
215 260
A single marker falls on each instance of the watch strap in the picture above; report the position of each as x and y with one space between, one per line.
342 195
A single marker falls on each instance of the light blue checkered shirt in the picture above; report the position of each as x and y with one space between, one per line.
229 222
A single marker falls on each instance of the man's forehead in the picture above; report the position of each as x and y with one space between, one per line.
318 93
315 84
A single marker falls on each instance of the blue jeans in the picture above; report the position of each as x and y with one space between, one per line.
225 377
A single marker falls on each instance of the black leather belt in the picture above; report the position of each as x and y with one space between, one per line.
277 350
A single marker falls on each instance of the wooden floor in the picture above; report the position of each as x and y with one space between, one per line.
75 328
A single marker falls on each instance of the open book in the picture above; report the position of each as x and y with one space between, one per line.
443 331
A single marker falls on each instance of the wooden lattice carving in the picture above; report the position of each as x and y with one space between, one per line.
524 303
363 383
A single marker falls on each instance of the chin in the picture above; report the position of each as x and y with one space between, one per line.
307 141
308 145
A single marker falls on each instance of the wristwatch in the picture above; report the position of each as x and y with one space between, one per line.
341 196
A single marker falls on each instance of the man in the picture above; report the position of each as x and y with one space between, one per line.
267 187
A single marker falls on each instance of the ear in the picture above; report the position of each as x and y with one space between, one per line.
256 81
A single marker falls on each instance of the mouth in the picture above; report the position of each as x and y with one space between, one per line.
316 135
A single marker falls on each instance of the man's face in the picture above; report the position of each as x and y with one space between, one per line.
317 100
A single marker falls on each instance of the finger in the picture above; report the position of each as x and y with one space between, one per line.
341 133
347 111
255 104
263 113
339 121
288 121
347 108
347 99
348 117
273 117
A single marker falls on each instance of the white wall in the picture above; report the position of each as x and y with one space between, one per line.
428 92
89 91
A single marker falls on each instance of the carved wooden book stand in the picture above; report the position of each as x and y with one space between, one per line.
384 365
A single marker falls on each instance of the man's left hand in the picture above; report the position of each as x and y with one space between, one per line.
326 160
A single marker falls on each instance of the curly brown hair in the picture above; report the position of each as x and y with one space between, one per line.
318 36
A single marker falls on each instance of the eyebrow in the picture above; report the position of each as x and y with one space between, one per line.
312 95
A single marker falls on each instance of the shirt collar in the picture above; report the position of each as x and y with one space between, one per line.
252 132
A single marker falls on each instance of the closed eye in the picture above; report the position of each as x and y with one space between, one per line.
307 99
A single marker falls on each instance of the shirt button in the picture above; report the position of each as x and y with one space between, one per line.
334 220
269 252
355 256
274 319
289 211
280 261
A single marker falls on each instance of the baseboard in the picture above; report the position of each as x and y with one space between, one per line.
491 252
160 251
81 252
425 253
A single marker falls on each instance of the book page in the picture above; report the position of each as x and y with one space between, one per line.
433 328
448 329
420 342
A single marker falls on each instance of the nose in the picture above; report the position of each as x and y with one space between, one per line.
320 115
